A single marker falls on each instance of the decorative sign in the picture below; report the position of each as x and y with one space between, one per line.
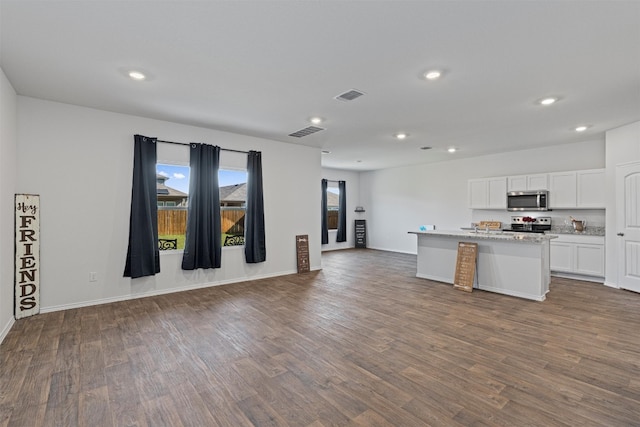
465 266
491 225
361 233
27 249
302 251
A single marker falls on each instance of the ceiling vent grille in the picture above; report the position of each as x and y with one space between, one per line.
306 131
349 95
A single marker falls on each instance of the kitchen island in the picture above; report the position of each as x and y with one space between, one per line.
515 264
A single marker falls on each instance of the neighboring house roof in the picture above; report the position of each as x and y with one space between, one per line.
233 193
333 199
228 193
163 190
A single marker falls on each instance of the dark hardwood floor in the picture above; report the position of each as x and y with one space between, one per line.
362 342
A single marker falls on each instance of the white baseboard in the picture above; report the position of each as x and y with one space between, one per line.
594 279
337 249
446 280
393 250
513 293
7 328
162 292
611 285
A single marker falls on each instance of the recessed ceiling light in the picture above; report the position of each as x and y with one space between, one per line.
548 101
582 128
401 135
452 150
316 120
432 75
137 75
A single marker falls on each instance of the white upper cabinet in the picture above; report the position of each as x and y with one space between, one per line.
562 190
517 183
591 188
528 182
583 189
497 193
478 191
488 193
538 182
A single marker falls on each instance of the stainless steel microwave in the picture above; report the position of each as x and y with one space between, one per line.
528 200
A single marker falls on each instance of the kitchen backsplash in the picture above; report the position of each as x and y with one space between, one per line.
595 218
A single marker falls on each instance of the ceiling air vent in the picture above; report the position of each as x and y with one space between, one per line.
306 131
349 95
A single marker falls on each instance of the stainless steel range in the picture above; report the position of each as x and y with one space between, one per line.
529 224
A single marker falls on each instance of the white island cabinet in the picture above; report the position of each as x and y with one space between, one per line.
515 264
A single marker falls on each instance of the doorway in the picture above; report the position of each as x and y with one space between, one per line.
628 225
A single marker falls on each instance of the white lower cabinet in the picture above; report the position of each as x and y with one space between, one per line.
580 255
590 259
562 256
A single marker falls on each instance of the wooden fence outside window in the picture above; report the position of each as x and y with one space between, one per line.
174 221
332 219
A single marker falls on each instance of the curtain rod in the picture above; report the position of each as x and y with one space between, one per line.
187 143
332 180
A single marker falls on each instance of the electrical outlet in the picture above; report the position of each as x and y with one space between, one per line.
93 276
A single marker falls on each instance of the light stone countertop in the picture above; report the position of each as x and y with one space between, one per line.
491 235
588 231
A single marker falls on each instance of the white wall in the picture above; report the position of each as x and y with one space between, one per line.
8 142
402 199
352 183
622 146
80 162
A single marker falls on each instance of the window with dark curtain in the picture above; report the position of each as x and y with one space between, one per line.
202 247
254 246
143 256
325 216
341 236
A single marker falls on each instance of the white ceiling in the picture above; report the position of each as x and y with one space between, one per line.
262 68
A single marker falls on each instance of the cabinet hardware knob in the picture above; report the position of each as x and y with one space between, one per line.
620 234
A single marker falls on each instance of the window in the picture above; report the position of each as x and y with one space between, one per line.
333 201
172 189
173 199
233 205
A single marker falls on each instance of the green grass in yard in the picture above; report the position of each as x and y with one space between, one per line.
180 238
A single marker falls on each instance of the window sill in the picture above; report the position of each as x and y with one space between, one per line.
232 247
172 252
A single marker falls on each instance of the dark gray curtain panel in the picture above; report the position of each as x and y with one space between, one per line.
341 236
325 215
202 247
143 255
254 232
